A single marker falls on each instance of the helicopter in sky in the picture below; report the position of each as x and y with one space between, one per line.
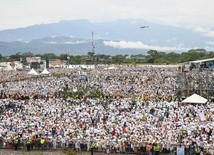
143 27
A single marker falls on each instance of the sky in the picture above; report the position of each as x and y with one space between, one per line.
195 14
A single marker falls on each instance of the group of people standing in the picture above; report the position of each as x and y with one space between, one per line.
139 111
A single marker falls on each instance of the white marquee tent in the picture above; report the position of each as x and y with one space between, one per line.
110 68
32 72
195 99
45 71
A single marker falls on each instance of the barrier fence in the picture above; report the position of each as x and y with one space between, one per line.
82 147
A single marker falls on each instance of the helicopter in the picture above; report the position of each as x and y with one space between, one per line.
143 27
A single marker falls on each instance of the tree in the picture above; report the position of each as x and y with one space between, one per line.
172 57
28 54
49 56
16 56
75 60
63 57
90 54
118 59
2 59
152 55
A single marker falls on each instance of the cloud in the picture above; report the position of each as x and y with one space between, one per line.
199 30
172 39
210 34
51 42
67 42
141 45
74 42
204 32
21 13
210 43
134 22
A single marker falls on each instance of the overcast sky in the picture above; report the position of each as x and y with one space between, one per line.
197 14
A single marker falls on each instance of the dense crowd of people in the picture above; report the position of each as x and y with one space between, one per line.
126 82
139 107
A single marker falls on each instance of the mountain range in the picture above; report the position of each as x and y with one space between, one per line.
116 37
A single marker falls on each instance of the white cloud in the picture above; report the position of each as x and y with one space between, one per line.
141 45
210 43
204 32
134 22
73 42
67 42
21 13
172 39
51 42
199 30
210 34
153 40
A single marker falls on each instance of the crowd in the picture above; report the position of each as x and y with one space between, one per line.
126 82
139 107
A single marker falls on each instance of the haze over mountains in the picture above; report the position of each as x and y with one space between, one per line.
116 37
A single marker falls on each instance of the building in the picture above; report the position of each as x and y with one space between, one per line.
87 60
202 64
56 63
33 59
9 66
35 62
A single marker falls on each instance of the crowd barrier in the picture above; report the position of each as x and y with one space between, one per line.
36 145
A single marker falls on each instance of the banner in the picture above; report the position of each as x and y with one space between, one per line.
180 150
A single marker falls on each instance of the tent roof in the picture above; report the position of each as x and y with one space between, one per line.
109 68
32 72
195 99
45 71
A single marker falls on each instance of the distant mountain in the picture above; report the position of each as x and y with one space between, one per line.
61 44
157 36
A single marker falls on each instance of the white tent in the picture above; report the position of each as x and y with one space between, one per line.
32 72
110 68
45 71
195 99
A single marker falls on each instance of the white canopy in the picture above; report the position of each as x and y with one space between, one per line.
109 68
45 71
195 99
32 72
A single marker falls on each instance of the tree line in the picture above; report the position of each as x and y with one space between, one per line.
152 57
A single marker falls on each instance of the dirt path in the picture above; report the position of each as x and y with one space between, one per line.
56 152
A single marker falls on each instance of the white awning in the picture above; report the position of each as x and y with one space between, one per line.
32 72
195 99
45 71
